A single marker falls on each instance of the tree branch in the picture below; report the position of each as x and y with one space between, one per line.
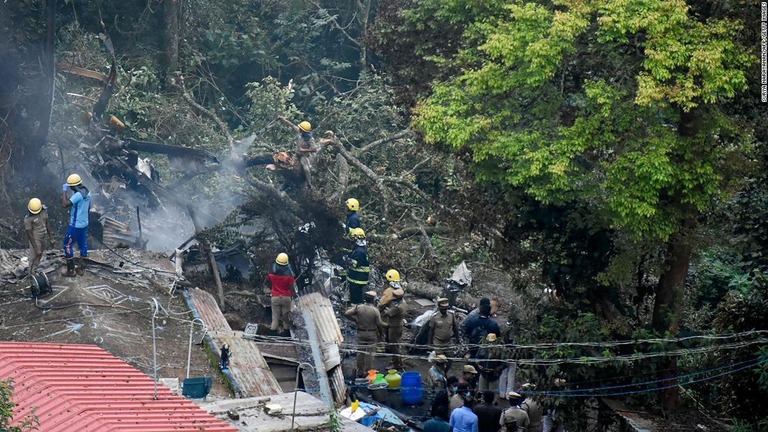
206 112
403 133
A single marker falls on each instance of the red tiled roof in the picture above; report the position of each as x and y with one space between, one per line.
78 388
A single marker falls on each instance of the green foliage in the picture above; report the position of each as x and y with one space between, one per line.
587 135
7 405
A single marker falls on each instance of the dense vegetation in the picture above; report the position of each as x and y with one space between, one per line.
607 150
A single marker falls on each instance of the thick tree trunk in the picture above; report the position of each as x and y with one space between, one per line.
666 309
171 10
670 289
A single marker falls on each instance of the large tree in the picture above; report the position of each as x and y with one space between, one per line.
612 103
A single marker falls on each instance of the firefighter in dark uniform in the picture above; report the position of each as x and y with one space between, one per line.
393 313
369 327
353 217
358 267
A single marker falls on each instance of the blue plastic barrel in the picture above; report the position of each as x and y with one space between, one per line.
410 388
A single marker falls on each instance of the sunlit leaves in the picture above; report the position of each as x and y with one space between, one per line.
581 100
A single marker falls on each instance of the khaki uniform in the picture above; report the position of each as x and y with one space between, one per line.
535 414
514 413
36 225
394 316
369 327
442 330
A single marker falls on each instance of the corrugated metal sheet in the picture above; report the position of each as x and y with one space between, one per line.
330 338
248 371
84 388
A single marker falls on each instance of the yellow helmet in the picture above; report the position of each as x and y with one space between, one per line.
305 126
35 206
393 275
357 233
74 180
282 258
116 124
353 204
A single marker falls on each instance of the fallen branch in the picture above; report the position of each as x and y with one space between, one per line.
341 162
402 134
427 245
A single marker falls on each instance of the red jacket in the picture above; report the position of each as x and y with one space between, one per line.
281 284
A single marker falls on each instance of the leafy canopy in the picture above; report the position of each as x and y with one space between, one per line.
586 100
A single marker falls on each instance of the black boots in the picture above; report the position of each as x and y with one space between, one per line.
70 271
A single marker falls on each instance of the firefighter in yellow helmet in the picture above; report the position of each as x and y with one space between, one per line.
77 231
353 217
393 314
358 268
393 283
38 229
283 283
306 147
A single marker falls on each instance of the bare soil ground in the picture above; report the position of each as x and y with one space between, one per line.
112 308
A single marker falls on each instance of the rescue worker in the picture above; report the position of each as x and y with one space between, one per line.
393 283
358 267
491 363
283 281
353 217
469 376
514 418
533 409
477 328
77 231
369 327
306 147
442 327
394 313
38 228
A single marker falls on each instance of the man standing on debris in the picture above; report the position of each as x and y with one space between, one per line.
358 267
393 283
306 147
477 328
38 228
394 313
353 217
490 363
77 231
442 327
283 282
369 327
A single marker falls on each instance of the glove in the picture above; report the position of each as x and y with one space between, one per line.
65 187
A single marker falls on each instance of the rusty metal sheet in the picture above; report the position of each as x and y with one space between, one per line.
330 338
248 371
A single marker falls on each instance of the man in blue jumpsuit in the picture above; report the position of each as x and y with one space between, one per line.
77 231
